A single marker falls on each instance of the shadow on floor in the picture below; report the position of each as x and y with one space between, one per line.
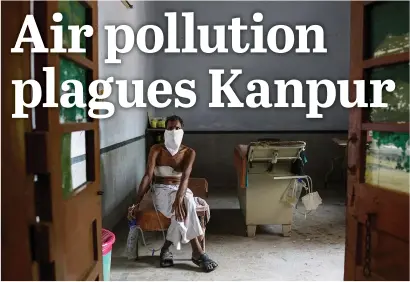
226 222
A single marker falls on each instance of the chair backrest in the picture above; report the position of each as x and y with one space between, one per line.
199 186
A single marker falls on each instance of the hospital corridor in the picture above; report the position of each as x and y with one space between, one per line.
205 140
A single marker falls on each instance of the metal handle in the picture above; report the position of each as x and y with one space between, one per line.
352 169
100 193
353 139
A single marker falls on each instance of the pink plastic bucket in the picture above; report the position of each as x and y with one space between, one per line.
107 240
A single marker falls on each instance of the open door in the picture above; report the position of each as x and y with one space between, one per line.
63 155
17 193
377 238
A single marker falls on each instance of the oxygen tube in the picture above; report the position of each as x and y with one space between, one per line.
159 221
308 187
132 223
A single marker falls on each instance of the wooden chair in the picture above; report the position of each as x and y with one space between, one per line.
148 218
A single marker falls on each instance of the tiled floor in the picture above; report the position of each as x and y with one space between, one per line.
315 251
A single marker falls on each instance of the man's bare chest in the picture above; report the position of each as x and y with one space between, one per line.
166 159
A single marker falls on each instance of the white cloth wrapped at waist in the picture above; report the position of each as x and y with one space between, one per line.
163 196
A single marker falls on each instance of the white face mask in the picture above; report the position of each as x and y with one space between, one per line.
173 140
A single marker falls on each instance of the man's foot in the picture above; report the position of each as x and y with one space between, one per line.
205 263
166 258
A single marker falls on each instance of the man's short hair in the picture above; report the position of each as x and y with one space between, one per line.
174 118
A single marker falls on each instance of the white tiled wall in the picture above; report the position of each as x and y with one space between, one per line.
122 168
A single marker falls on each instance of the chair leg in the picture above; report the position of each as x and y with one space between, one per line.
332 169
202 218
329 172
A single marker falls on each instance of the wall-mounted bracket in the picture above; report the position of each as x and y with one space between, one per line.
127 4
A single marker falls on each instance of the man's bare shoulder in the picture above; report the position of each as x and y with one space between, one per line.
189 151
156 148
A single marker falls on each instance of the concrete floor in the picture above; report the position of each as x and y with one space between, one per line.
315 251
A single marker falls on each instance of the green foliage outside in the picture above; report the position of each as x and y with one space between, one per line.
67 181
74 13
398 101
400 140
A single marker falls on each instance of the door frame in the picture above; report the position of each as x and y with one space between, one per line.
59 215
34 213
17 193
365 202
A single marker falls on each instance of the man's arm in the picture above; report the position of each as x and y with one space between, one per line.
149 172
178 205
186 173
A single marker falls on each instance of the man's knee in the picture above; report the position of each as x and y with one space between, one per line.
189 200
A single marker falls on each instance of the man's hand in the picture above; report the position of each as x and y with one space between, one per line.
132 212
179 208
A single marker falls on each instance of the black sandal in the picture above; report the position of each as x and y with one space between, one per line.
166 259
205 263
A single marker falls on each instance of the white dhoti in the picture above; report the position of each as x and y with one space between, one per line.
179 232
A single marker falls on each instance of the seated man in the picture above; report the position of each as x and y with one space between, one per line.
170 166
